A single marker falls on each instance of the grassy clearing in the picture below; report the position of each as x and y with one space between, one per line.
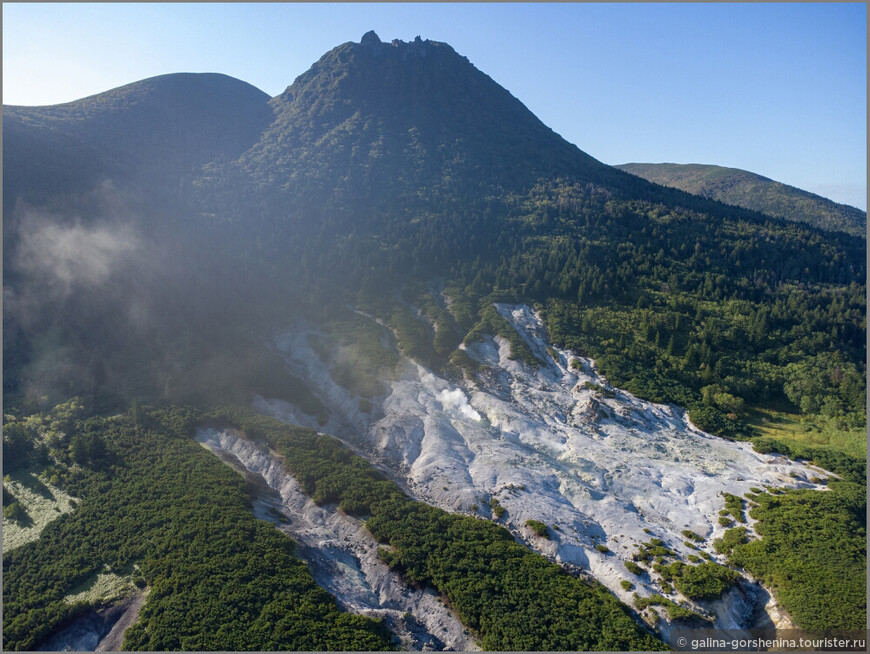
42 502
816 431
103 587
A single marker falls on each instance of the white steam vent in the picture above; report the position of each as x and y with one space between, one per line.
455 400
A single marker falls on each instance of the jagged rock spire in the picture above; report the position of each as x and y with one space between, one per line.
370 38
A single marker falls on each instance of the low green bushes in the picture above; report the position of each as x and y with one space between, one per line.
538 527
511 597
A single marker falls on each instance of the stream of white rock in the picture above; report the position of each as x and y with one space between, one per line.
599 468
341 554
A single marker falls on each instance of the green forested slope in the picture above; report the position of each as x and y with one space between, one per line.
812 553
386 164
751 191
219 579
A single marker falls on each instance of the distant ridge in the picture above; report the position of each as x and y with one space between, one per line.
151 130
751 191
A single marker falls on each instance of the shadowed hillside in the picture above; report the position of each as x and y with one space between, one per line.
383 166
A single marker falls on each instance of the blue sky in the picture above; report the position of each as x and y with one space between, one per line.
778 89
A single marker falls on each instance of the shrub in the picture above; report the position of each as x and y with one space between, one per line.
734 506
641 555
634 568
705 581
675 611
538 527
663 570
712 420
729 539
15 512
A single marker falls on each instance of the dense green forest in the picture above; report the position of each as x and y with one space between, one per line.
716 313
513 598
812 553
150 496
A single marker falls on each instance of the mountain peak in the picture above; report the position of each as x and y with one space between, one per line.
370 38
421 106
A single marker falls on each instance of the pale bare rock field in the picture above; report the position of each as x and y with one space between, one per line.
604 470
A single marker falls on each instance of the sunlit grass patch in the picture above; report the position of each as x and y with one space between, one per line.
104 587
42 502
815 431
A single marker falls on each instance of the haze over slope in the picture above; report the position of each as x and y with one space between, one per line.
381 164
751 191
153 261
153 130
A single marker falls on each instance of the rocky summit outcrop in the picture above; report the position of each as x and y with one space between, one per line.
370 38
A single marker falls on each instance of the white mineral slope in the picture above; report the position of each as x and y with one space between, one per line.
341 554
598 470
